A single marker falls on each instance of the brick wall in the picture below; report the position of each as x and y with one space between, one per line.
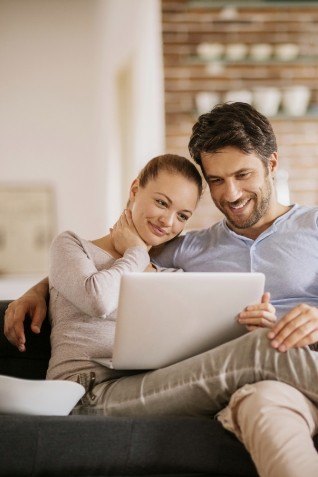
188 24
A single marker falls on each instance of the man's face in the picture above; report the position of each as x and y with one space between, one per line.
240 186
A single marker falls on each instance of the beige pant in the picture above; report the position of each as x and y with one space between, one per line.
276 424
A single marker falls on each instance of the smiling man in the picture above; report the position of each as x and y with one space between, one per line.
239 166
236 149
242 188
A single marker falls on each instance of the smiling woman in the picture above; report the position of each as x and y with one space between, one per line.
161 200
85 276
160 208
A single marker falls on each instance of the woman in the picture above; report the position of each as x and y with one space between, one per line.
85 276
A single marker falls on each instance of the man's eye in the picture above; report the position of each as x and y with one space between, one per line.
243 175
214 181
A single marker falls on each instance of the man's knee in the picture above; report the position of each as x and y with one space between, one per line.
271 400
273 394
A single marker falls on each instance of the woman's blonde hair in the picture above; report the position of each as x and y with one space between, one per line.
175 165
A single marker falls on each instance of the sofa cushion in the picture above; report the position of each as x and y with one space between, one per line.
96 445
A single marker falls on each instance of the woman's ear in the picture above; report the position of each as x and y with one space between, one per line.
133 191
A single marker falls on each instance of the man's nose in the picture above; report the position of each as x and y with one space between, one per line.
232 192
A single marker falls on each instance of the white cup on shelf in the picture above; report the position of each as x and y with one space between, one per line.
210 51
266 99
235 51
286 51
261 51
206 100
295 100
241 95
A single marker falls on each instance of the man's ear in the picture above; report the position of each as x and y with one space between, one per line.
273 163
133 191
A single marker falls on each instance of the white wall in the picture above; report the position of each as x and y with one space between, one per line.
132 93
81 101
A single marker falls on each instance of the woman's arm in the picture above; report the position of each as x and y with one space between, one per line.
33 304
74 274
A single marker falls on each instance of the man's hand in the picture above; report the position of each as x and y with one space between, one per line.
261 315
296 329
32 304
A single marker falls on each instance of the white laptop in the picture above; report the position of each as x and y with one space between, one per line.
164 318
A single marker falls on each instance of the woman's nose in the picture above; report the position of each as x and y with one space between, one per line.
166 218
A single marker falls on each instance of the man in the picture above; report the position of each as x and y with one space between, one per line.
236 149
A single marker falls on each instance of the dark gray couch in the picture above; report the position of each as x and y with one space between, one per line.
98 446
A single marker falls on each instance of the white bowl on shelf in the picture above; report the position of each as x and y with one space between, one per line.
241 95
38 397
261 51
295 100
235 51
206 100
286 51
210 51
266 99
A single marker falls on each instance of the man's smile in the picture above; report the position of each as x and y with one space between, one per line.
237 207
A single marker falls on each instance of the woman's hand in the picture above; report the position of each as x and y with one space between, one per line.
124 234
296 329
258 316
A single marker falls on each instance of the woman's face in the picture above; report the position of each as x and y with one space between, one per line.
161 209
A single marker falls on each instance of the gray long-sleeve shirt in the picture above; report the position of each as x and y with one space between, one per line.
84 283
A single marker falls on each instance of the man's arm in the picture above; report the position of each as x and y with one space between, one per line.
33 304
165 255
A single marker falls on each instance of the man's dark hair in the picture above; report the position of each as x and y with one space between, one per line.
237 125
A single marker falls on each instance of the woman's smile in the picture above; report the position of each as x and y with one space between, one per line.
157 230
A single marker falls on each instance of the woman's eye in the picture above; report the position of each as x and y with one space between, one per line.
183 217
160 202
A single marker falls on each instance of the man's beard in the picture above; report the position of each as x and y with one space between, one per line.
261 205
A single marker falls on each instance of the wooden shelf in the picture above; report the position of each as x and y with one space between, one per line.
302 60
215 4
280 116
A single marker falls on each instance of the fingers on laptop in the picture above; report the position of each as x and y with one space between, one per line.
296 329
